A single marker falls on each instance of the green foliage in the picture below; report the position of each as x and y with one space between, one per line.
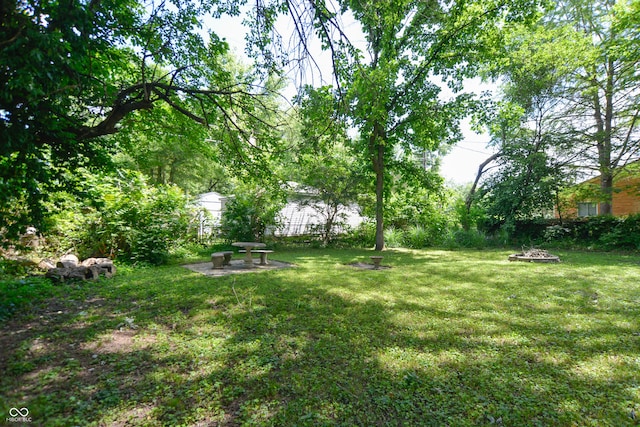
624 235
467 239
170 148
387 84
363 236
467 218
571 75
607 232
17 295
555 232
418 237
599 232
73 74
416 198
416 212
324 163
122 217
249 213
393 237
528 175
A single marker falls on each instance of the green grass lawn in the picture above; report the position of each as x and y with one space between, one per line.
461 338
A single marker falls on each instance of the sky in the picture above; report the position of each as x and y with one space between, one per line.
458 167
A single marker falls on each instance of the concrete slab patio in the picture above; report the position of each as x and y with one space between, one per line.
236 267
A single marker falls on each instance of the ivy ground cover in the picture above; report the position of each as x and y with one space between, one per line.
460 338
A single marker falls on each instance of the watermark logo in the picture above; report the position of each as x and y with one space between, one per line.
18 415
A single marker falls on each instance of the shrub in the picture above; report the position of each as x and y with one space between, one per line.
247 216
603 232
417 237
592 228
156 224
364 235
120 217
625 234
393 237
467 239
556 232
528 231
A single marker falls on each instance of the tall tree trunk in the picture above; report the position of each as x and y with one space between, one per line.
606 180
604 122
379 168
376 145
172 171
160 178
606 187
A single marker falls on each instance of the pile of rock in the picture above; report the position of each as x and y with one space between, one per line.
69 267
539 253
534 255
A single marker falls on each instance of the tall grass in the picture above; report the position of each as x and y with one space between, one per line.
393 237
417 237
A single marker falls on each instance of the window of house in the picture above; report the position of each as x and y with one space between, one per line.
587 209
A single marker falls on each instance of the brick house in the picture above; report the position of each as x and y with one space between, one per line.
582 200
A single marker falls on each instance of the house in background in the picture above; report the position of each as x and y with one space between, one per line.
582 200
296 218
299 219
212 205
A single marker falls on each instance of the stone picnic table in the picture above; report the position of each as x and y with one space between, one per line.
248 246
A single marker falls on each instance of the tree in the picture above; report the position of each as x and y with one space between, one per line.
324 164
170 149
386 85
605 93
526 176
73 71
578 66
251 211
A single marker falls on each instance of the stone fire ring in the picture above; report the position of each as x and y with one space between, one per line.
529 258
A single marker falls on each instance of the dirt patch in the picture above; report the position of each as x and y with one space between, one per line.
236 267
119 341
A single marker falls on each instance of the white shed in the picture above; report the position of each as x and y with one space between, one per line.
299 219
214 203
296 219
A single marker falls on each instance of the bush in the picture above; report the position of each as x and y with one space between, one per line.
120 217
393 237
600 232
467 239
159 222
417 237
364 235
556 232
528 232
247 216
592 228
625 234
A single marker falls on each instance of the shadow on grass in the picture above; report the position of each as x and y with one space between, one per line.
328 346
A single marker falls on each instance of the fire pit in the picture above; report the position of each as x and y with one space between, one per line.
534 255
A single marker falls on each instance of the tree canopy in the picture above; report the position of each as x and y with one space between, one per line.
389 85
83 80
574 77
72 71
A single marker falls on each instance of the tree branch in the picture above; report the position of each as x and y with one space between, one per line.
108 125
478 175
